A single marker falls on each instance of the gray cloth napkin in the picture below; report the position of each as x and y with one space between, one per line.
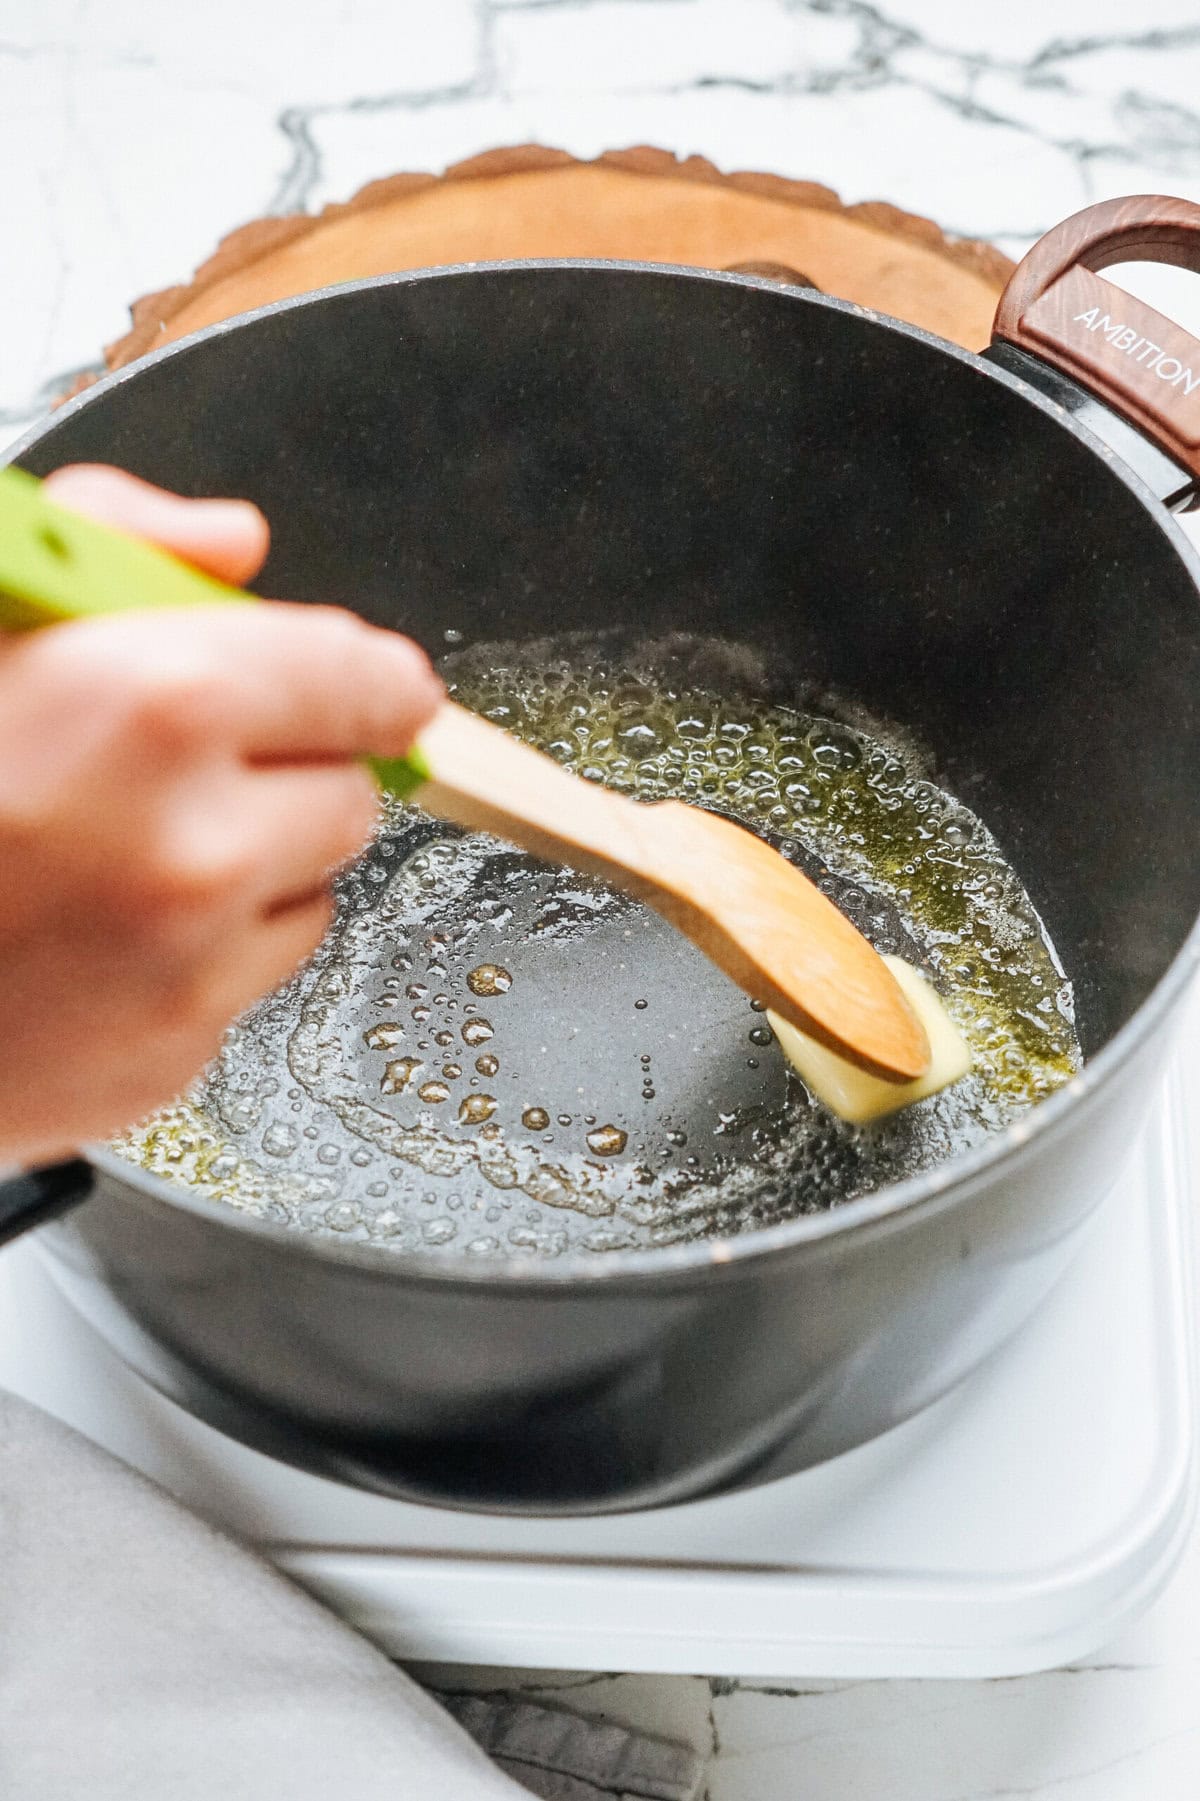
144 1657
564 1758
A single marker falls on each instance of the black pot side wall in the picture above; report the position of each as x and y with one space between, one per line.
511 452
579 1398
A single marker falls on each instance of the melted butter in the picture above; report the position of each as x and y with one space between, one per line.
489 979
607 1141
853 807
853 800
398 1074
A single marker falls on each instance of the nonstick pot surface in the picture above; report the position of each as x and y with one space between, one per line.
849 508
851 511
506 1057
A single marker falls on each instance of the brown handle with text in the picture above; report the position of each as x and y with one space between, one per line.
1123 351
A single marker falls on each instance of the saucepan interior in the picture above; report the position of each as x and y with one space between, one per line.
767 496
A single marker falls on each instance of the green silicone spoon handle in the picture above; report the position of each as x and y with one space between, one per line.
56 565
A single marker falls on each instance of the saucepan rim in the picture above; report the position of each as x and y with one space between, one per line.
1003 1153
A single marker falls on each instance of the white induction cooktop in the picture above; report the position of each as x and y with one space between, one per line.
1016 1525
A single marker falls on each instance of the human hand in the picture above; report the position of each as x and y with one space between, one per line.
176 790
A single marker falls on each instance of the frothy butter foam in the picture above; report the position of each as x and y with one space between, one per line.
391 1094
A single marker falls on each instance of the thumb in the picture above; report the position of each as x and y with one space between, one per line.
228 538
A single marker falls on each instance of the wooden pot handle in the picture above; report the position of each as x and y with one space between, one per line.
1124 352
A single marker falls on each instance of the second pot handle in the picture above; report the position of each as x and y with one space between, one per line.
1058 309
36 1195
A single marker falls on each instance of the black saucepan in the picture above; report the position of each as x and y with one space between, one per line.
977 548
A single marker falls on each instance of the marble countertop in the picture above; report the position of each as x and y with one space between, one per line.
136 134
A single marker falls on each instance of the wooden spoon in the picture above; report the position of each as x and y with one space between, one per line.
766 925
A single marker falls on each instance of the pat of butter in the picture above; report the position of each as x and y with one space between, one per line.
851 1092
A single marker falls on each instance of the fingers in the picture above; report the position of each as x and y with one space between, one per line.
282 681
269 957
175 790
298 826
270 681
304 681
312 823
335 687
288 938
229 538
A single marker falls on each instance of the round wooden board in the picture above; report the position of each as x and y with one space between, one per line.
644 204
